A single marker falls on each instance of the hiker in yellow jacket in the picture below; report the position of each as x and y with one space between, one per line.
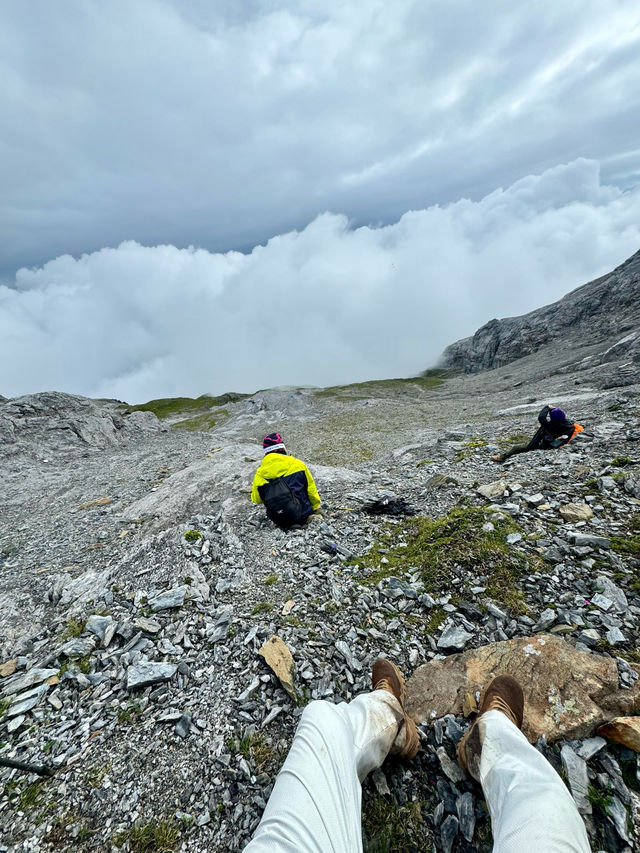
284 484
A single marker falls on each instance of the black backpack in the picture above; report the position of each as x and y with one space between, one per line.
283 507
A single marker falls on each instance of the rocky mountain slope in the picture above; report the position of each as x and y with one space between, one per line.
139 586
588 329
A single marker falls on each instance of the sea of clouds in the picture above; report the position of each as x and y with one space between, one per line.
325 305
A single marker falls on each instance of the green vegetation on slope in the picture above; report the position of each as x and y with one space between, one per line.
202 423
167 407
439 546
426 381
629 543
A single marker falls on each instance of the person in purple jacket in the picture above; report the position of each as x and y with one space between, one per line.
555 431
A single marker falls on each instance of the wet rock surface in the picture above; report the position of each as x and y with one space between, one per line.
130 655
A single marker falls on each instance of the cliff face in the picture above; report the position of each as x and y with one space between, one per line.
605 312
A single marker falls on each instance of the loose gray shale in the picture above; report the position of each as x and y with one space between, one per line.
129 655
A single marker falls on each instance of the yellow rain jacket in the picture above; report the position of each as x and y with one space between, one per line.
276 465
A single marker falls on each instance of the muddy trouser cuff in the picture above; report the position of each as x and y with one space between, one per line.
315 804
531 809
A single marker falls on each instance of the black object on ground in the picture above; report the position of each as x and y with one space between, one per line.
40 769
390 506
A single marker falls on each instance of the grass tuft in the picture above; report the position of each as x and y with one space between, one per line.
621 462
75 628
255 746
390 828
262 607
599 799
157 836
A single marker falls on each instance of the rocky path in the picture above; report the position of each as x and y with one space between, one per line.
131 665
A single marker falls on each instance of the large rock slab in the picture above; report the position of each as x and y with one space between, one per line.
192 488
568 693
55 421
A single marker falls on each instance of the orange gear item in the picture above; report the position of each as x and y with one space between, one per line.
576 429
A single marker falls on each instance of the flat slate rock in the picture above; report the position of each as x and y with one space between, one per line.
143 674
568 693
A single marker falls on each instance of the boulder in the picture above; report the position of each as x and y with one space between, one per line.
624 730
54 420
8 667
576 512
575 769
439 480
568 693
87 588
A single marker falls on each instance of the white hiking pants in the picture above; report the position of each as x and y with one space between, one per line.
316 800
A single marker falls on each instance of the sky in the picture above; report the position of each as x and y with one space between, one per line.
200 197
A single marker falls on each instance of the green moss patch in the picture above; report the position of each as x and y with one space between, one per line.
630 543
621 462
440 547
469 447
515 438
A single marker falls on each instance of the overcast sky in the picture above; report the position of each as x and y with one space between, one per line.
510 129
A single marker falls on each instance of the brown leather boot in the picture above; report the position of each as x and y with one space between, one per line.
386 676
503 694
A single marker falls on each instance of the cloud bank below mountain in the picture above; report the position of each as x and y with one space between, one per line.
328 304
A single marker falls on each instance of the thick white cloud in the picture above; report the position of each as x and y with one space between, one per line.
324 305
220 124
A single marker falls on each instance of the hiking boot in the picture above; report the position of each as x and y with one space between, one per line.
503 694
497 458
386 676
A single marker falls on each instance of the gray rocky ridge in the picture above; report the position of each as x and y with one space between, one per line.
595 328
160 638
